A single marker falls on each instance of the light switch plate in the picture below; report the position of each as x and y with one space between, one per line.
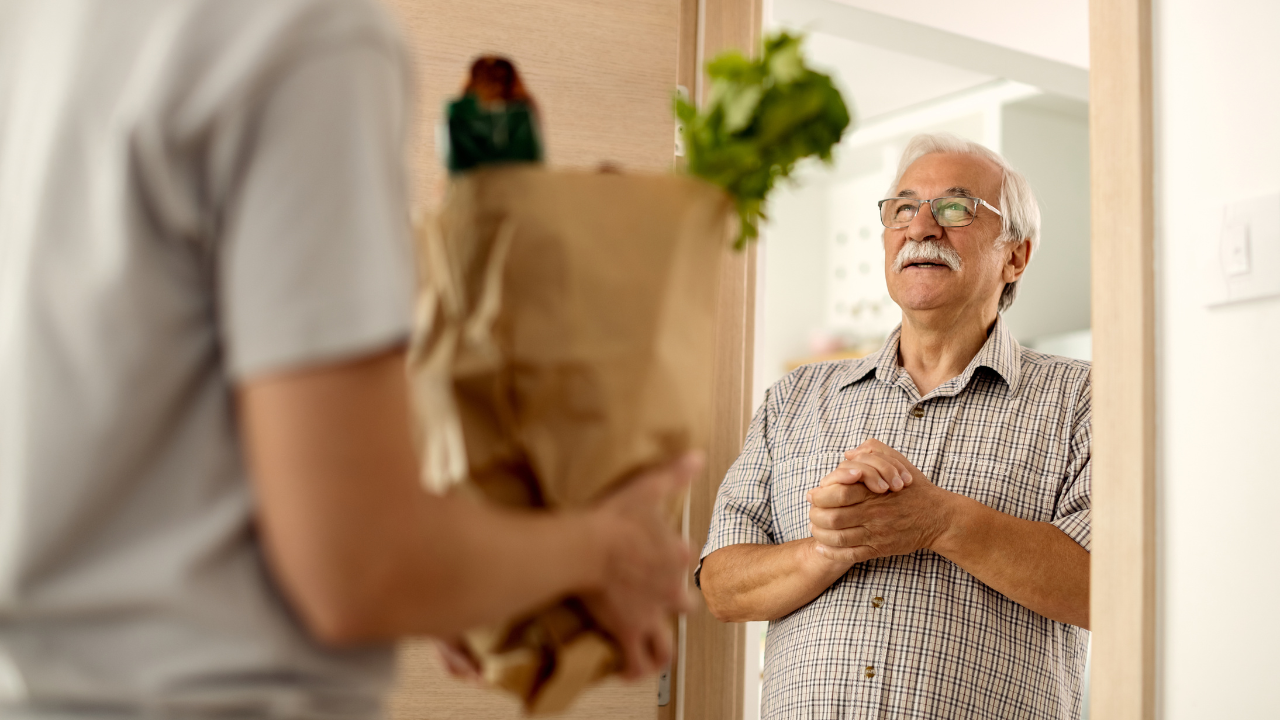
1235 249
1245 260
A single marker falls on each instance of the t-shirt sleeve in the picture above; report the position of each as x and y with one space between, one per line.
1071 515
315 261
743 513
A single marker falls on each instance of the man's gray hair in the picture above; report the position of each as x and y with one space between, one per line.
1021 213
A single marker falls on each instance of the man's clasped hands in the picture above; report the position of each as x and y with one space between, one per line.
875 504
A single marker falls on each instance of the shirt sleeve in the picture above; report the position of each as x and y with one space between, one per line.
743 513
315 262
1071 515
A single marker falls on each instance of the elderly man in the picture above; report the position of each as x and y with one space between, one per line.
915 523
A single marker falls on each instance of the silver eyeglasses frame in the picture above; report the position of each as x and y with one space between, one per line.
983 203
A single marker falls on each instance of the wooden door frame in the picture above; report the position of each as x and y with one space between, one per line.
709 683
1123 587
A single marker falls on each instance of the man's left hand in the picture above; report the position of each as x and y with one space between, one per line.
895 523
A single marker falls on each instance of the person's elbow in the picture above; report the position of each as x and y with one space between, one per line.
337 624
724 610
721 601
351 599
339 615
347 600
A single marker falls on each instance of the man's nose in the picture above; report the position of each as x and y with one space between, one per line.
923 226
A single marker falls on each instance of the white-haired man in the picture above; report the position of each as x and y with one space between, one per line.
915 523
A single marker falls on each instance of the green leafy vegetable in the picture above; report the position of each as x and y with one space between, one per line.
761 117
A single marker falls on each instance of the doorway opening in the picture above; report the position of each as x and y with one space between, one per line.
821 292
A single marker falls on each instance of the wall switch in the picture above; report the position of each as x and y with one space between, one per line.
1248 252
1235 249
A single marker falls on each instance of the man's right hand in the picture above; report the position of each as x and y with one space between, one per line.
879 473
851 482
764 582
646 564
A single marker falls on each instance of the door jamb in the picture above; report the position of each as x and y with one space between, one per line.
1123 581
709 670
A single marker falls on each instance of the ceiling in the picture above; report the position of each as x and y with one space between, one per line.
878 81
1057 30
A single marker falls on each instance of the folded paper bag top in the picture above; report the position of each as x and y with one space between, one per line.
564 341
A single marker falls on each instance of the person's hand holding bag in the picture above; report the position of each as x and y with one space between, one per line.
646 564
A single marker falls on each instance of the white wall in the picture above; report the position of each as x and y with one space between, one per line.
1217 123
1047 139
793 254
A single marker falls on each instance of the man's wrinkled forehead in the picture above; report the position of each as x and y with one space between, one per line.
953 191
950 175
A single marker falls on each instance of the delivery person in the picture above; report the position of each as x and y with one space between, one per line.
208 492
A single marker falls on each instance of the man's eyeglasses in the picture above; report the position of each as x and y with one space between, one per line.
947 211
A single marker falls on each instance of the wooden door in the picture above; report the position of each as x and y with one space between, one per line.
603 74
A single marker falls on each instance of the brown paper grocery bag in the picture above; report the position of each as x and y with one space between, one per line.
563 343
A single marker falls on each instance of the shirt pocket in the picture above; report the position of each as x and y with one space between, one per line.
996 484
793 477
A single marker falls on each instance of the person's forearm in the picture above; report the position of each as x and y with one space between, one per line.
764 582
1032 563
499 562
441 565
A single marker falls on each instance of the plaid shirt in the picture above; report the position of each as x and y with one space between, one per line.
916 636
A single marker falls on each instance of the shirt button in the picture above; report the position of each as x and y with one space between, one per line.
877 602
917 411
870 672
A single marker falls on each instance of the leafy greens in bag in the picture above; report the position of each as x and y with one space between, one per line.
762 116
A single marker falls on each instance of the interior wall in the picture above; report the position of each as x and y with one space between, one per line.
603 75
1047 140
794 252
1216 114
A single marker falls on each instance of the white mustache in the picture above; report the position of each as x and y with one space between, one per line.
926 251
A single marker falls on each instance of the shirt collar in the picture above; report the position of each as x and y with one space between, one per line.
1001 353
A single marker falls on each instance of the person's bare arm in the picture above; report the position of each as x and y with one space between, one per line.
1032 563
764 582
364 554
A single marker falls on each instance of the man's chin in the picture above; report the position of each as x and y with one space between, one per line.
922 296
923 307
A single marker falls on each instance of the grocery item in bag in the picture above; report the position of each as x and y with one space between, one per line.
494 121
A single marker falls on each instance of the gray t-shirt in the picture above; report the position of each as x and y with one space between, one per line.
192 193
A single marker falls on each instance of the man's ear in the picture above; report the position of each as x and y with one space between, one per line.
1017 255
